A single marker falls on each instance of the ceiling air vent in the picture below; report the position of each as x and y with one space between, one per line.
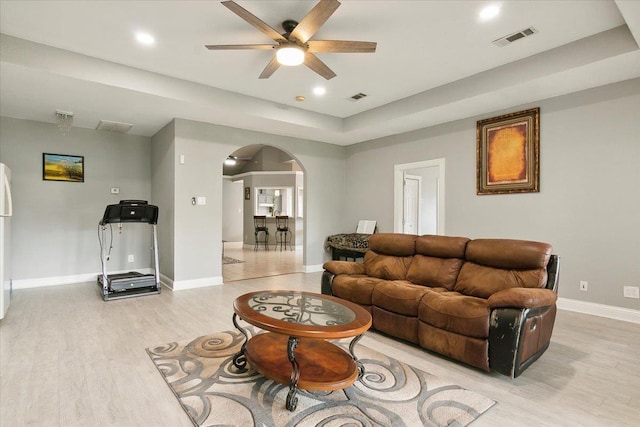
503 41
116 127
357 97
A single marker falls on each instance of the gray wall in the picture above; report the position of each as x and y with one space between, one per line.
588 206
197 231
164 162
54 227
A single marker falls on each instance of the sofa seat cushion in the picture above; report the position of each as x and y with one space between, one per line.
434 272
454 312
398 296
358 288
386 267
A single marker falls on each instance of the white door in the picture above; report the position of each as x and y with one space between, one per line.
411 206
431 201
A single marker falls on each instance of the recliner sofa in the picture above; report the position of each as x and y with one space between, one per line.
490 303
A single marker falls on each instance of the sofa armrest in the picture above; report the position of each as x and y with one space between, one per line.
522 298
518 337
344 267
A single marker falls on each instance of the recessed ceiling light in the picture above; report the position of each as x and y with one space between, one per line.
319 90
299 98
489 12
145 38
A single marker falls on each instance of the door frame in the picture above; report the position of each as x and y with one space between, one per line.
398 202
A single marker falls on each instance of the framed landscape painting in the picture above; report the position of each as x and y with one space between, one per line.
62 167
508 153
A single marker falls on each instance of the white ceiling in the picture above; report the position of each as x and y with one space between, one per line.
434 63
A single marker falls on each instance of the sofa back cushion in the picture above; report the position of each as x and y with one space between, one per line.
438 261
389 255
434 272
441 246
394 244
495 264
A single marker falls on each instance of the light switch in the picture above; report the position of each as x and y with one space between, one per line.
182 159
202 200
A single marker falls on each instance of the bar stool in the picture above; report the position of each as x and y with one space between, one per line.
283 235
260 225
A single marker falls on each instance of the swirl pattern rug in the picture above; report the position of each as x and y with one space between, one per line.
212 392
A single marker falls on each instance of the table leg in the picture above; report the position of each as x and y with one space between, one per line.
292 400
239 359
352 346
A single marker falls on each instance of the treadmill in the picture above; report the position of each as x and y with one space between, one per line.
133 283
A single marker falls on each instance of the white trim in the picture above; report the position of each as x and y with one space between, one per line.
602 310
245 174
313 268
66 280
233 245
398 172
181 285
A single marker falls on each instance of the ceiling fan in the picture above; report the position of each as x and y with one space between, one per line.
294 46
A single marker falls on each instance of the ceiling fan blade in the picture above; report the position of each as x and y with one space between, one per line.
239 46
313 62
271 68
254 20
314 20
341 46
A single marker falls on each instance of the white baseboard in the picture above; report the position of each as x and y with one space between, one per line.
313 268
602 310
67 280
235 245
181 285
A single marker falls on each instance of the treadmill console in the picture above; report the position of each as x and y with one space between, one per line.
130 211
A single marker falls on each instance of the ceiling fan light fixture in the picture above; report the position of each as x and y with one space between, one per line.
290 55
230 161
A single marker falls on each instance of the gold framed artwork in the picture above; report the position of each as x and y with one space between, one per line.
247 193
62 167
508 153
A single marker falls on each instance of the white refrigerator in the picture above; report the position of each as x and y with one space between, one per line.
6 211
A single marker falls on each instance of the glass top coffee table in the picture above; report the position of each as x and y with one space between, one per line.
294 351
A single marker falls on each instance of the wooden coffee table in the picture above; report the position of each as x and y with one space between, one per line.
295 350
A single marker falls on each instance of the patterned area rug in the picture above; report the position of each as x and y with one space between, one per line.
229 260
213 393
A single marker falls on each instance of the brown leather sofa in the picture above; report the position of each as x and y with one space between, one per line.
490 303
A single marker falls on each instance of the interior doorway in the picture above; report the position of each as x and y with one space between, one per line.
261 180
419 196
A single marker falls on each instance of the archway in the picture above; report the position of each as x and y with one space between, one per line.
261 180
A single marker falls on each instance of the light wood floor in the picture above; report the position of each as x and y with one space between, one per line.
67 358
260 263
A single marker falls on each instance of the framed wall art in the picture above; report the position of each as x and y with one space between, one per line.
62 167
247 193
508 153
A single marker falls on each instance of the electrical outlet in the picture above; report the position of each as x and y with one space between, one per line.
584 286
631 292
131 258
